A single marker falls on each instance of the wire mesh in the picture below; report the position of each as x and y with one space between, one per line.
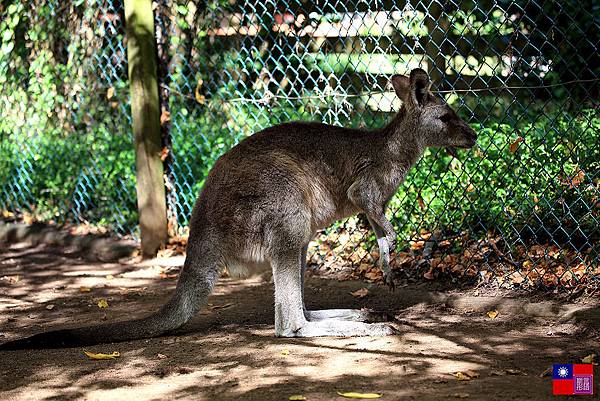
67 152
520 211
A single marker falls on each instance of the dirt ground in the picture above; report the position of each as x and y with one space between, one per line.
229 352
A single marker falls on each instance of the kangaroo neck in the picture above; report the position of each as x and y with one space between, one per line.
402 142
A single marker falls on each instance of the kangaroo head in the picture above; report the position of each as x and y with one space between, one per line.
437 124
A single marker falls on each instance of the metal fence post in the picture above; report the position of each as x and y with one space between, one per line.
141 54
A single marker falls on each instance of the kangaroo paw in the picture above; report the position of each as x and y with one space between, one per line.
341 328
351 315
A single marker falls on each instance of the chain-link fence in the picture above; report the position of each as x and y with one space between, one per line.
522 210
66 150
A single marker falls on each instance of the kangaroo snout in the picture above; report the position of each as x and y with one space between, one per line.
471 136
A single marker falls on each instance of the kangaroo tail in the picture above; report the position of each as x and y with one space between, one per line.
194 286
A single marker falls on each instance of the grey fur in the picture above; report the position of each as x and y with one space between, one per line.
265 199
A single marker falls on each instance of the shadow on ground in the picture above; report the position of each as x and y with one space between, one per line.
228 351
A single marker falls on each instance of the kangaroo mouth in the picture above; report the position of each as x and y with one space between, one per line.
452 150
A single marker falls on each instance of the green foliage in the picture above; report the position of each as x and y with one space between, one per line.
516 187
542 185
66 152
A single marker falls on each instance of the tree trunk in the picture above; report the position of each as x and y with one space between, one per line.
145 113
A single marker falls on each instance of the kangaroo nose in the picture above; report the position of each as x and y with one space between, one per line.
472 134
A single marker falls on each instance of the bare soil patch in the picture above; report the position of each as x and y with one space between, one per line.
229 352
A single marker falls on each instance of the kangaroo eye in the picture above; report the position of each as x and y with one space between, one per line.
445 118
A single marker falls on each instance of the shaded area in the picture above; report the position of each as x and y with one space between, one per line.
228 351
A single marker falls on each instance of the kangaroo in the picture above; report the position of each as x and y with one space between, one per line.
265 199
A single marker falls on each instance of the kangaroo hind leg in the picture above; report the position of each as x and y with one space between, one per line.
290 320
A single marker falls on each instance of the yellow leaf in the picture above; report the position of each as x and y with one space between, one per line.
28 219
492 314
591 358
366 396
297 397
462 376
102 303
199 97
110 93
11 279
285 352
363 292
84 289
165 117
92 355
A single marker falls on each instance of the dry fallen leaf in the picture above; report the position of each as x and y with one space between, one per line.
297 397
50 307
223 306
199 97
492 314
365 396
514 372
285 352
102 303
591 358
421 203
165 116
363 292
467 375
28 219
11 279
461 376
100 356
164 154
515 145
429 274
84 289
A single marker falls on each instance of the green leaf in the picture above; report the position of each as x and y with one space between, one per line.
7 35
7 47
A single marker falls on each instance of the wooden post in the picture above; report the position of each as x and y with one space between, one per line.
141 56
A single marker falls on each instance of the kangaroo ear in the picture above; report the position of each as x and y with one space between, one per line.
401 84
419 86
